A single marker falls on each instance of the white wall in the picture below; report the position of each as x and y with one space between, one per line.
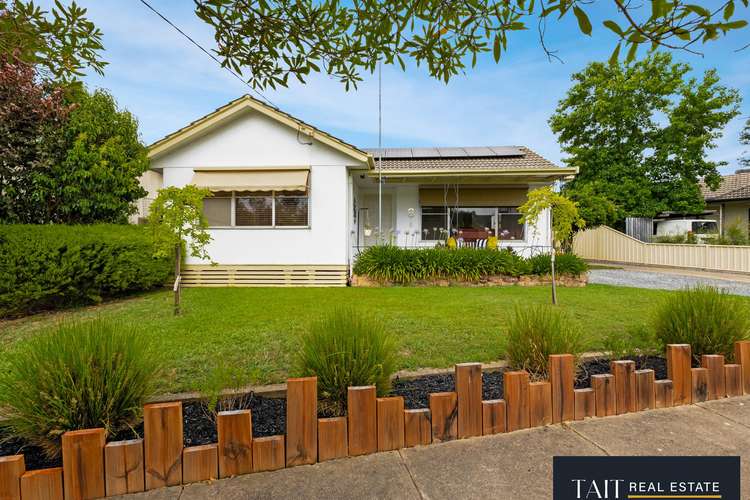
254 141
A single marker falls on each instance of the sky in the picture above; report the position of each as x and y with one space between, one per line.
166 82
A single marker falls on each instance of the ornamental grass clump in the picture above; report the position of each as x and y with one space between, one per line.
709 319
535 332
81 375
346 348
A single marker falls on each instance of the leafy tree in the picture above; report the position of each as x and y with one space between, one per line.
71 158
594 209
639 133
276 39
97 177
176 219
565 220
31 117
745 139
62 43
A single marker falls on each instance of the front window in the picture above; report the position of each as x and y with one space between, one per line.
472 222
257 209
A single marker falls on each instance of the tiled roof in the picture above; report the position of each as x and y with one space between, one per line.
732 187
527 159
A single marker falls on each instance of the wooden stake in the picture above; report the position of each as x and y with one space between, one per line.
516 388
162 444
11 470
604 394
417 427
301 421
645 390
390 423
742 357
469 394
362 420
714 363
123 464
625 395
268 453
562 378
332 438
200 463
235 431
678 371
83 463
585 403
43 484
493 416
663 393
733 377
444 411
699 377
540 404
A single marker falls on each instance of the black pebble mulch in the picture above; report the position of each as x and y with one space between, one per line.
269 414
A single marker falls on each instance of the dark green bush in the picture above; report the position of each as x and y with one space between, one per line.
535 332
346 348
79 376
708 319
565 263
406 265
54 266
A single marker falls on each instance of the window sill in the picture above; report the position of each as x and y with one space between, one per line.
258 228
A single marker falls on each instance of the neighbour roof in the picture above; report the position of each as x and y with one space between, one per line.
248 102
478 159
732 187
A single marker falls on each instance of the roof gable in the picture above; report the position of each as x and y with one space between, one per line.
230 110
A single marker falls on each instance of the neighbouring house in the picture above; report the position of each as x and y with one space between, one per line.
293 204
731 200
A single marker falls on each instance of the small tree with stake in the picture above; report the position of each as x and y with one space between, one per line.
564 218
176 219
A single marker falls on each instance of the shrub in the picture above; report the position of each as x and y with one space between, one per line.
54 266
81 375
708 319
565 263
221 390
346 348
535 332
401 265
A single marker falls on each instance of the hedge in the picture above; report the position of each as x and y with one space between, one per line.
55 266
405 265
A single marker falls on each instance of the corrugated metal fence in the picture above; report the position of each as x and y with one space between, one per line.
605 244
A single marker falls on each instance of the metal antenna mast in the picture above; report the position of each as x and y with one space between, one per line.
380 153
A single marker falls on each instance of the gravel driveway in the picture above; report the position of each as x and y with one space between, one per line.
662 280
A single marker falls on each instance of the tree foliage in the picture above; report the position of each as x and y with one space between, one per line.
745 139
639 133
65 156
276 39
61 43
565 216
176 217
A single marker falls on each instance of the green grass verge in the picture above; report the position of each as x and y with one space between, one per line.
254 329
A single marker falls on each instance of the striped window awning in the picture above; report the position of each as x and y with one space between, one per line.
251 180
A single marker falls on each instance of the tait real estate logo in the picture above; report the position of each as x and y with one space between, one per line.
615 478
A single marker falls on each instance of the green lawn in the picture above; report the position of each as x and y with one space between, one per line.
254 329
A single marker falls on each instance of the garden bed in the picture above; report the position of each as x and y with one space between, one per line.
566 280
269 414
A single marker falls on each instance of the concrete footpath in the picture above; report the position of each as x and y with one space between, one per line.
507 466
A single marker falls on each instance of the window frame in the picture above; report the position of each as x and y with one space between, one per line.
498 214
233 213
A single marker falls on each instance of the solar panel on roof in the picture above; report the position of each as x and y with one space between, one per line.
424 152
452 152
506 151
479 151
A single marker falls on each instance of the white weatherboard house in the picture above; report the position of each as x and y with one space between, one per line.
292 204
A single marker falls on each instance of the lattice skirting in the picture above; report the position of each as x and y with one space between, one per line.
264 275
